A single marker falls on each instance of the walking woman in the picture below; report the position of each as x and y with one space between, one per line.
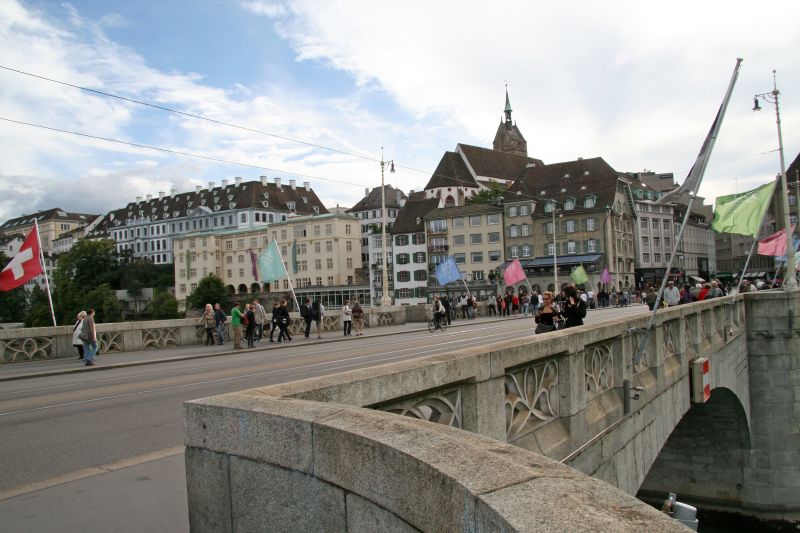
283 322
358 318
89 338
207 320
76 334
547 317
317 312
574 308
250 330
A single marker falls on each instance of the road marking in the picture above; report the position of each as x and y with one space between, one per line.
84 473
244 376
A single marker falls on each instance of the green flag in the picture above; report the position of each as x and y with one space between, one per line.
579 276
742 213
270 264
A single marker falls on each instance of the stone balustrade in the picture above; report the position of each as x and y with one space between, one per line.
29 344
331 452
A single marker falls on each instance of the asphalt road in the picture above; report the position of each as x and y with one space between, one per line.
50 426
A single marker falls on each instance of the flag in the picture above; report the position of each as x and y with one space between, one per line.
742 213
774 245
605 276
579 276
691 183
270 264
294 257
447 271
514 273
188 261
24 266
254 264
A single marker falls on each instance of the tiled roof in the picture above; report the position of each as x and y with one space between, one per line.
496 164
54 213
451 172
373 199
571 179
246 195
416 207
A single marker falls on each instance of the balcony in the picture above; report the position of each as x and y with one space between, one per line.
438 247
437 231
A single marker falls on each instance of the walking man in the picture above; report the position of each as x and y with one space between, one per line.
261 318
236 325
347 318
671 294
89 338
220 318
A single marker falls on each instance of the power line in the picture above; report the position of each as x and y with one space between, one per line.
175 152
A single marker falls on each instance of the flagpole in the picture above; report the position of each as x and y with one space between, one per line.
44 269
692 195
288 277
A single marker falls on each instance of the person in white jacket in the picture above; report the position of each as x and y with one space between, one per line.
76 332
347 318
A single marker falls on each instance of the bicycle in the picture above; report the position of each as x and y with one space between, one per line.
432 324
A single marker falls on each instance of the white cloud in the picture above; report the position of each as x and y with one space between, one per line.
267 9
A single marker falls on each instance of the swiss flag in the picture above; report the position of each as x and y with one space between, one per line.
24 266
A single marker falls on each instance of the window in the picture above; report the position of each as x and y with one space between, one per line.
494 255
328 229
569 204
349 246
458 222
526 250
475 220
437 225
404 275
524 210
318 264
239 243
792 199
570 225
655 223
401 240
420 275
512 211
418 238
513 230
591 245
494 237
477 275
548 207
475 238
460 258
347 229
571 248
667 242
657 258
514 252
241 272
403 259
646 241
526 230
644 222
589 201
656 242
317 247
493 218
349 262
183 288
548 228
419 257
591 224
550 248
477 257
240 258
458 240
244 217
645 258
666 223
405 293
329 263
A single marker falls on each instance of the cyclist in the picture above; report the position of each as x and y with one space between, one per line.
438 312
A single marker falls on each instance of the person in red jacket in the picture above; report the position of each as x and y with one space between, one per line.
704 292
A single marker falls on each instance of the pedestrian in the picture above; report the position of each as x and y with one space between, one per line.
317 312
651 297
207 320
347 318
437 310
525 301
508 308
491 306
453 307
574 309
220 319
261 319
305 314
534 302
76 334
236 326
446 304
274 320
703 294
716 291
515 304
358 318
671 294
283 322
89 338
462 306
250 324
688 295
547 319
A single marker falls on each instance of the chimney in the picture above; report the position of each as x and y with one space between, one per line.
210 185
307 185
138 199
149 197
237 180
198 188
263 180
293 184
160 195
173 192
224 183
278 183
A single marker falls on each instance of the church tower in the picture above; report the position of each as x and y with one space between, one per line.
508 137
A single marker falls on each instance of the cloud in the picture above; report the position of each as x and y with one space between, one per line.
266 9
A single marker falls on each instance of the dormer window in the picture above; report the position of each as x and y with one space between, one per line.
189 204
230 197
216 199
548 207
203 202
590 201
316 210
290 206
265 203
232 205
176 213
266 195
217 207
305 200
569 204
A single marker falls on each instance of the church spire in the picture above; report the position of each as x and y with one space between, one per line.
507 110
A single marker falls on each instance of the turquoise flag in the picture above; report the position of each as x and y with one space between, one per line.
270 264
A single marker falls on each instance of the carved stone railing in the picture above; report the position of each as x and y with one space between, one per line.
557 394
29 344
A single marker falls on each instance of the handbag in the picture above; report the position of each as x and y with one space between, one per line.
544 328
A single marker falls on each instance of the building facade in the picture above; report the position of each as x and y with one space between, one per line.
410 268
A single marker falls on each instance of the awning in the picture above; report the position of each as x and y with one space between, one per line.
544 262
697 279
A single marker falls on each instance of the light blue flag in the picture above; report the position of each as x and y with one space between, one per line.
447 272
270 265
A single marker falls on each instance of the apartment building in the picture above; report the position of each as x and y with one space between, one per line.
410 269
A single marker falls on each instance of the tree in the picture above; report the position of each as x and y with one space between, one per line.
13 303
105 303
210 290
164 306
88 266
38 308
491 195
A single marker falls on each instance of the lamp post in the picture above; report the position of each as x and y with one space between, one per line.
772 97
386 301
555 249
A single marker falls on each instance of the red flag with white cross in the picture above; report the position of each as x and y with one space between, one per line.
23 266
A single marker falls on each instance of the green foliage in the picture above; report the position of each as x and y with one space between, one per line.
164 306
38 314
14 303
104 301
210 290
491 195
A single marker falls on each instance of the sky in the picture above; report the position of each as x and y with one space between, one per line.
634 83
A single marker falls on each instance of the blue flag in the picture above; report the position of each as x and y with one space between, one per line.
447 272
270 264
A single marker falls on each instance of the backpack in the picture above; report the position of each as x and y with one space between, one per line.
304 311
245 322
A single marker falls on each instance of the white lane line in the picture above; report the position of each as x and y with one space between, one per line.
244 376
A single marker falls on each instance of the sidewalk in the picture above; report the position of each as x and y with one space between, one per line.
71 365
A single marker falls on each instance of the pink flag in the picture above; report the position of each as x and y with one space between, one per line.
513 273
774 245
605 276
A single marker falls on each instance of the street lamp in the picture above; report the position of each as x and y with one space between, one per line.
386 301
555 248
771 97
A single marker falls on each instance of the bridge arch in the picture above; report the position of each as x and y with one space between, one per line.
705 457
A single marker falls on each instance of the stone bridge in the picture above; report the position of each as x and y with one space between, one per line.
529 434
